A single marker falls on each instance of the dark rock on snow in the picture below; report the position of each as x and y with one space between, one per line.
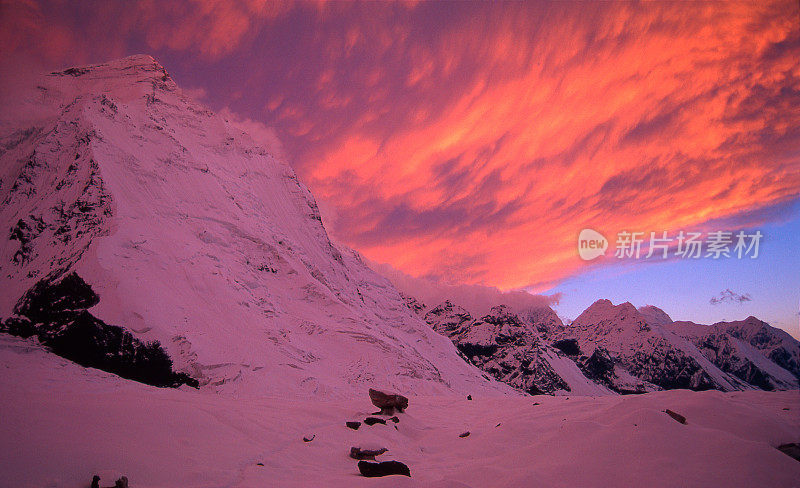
369 454
678 417
353 425
388 402
791 450
56 312
374 420
387 468
120 483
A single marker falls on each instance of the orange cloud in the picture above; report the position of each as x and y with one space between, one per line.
472 144
645 117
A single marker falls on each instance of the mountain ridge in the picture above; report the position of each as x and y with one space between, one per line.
619 348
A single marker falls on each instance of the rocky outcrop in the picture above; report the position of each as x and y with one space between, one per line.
775 344
56 312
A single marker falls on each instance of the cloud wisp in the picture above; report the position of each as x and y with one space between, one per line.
729 296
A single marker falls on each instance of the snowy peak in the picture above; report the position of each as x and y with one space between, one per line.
655 316
544 320
603 318
126 78
194 235
645 350
446 318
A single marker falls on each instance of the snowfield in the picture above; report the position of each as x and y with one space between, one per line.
62 423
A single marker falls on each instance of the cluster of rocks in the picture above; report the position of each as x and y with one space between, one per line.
389 404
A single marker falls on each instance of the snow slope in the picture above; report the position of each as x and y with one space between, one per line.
194 235
62 423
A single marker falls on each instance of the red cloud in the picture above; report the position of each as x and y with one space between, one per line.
619 116
472 144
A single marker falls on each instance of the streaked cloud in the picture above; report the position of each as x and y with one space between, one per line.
470 143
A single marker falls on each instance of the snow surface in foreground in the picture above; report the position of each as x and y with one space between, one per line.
61 424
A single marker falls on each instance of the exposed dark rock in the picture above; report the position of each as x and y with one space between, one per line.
599 367
374 420
395 419
72 72
386 468
120 483
569 347
388 402
18 326
678 417
309 438
464 434
56 312
791 450
366 454
469 397
353 425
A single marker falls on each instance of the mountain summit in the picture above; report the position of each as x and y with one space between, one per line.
140 224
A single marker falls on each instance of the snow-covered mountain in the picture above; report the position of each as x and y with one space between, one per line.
510 349
616 348
134 215
750 349
645 350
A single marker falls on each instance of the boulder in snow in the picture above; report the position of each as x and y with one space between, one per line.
388 402
386 468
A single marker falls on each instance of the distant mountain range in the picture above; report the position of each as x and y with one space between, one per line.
617 348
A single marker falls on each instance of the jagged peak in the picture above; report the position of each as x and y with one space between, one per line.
604 309
448 307
126 78
142 62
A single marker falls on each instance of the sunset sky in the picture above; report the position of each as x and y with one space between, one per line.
470 143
